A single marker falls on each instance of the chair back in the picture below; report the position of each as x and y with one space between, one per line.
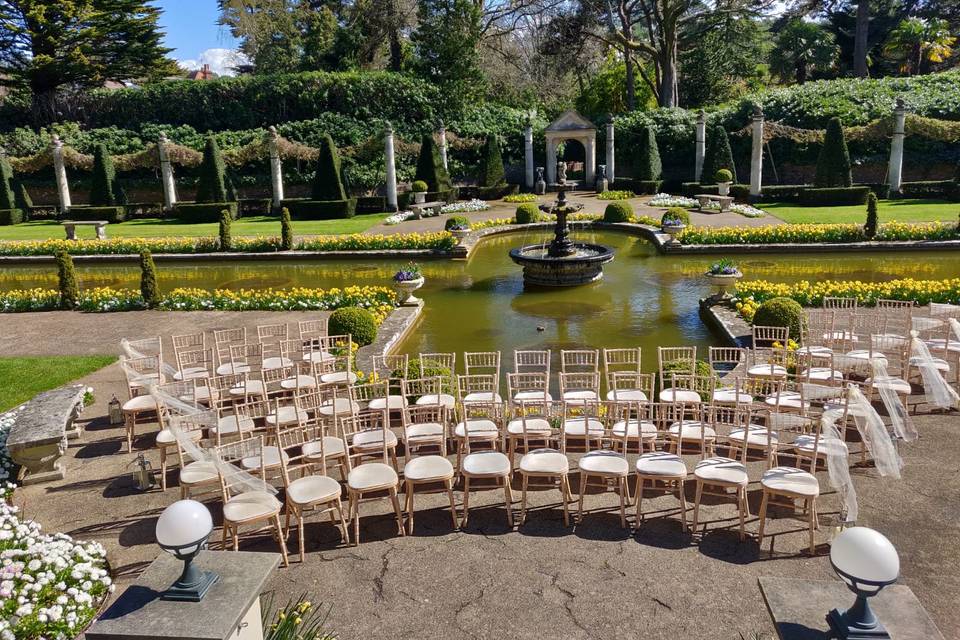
579 360
362 394
443 364
415 388
766 337
482 362
189 341
529 361
367 421
526 413
725 359
621 381
833 302
669 359
271 333
195 362
223 339
534 386
232 454
309 329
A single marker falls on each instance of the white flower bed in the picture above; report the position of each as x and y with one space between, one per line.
50 585
743 209
667 200
397 218
6 464
465 207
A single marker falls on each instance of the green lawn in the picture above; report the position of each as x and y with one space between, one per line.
890 210
159 227
23 378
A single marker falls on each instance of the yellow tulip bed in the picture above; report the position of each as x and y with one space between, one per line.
810 294
815 233
378 300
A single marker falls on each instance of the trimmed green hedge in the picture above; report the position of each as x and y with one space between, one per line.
834 196
195 212
526 213
11 216
356 321
487 193
110 214
618 211
404 199
321 209
780 312
928 189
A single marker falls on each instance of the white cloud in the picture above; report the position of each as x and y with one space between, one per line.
221 61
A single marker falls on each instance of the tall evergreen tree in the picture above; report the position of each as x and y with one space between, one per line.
49 45
102 190
212 185
647 165
447 42
833 165
717 155
430 167
67 281
327 181
148 280
491 172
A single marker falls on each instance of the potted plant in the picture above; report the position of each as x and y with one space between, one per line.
458 227
722 274
419 188
723 178
673 222
406 281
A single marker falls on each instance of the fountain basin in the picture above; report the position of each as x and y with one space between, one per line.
583 266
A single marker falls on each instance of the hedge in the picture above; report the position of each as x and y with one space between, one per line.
834 196
816 233
321 209
11 216
195 212
928 189
110 214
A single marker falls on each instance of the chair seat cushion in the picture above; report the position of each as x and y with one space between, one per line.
482 396
228 425
890 382
340 406
580 427
140 403
767 371
642 430
864 354
444 399
371 476
480 429
276 362
286 415
532 395
318 356
938 363
755 435
431 431
251 388
232 368
299 382
661 463
692 430
582 395
545 461
373 439
791 481
166 437
339 377
311 489
390 402
332 448
191 373
938 343
271 458
199 473
251 505
627 395
721 470
827 445
428 468
604 463
679 395
822 374
815 351
535 425
730 396
787 400
486 463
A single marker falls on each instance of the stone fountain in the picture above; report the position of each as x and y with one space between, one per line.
562 263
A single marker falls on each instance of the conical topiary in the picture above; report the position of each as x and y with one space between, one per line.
8 198
148 281
231 189
870 228
23 199
491 172
226 237
327 182
67 281
717 155
430 166
212 185
286 230
647 165
102 191
833 165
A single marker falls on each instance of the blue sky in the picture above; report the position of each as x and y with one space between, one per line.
191 30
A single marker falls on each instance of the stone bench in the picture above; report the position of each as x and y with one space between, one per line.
707 198
70 226
423 207
39 433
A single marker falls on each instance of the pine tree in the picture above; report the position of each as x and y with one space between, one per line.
286 230
648 165
491 172
148 281
717 155
102 190
870 228
67 281
8 199
327 182
212 185
430 166
447 45
226 239
833 165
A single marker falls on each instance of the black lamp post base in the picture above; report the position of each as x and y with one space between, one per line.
845 628
193 591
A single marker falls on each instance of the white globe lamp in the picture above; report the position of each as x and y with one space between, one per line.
867 562
182 530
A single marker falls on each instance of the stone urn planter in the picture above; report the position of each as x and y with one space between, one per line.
406 281
723 281
459 235
673 230
419 197
723 188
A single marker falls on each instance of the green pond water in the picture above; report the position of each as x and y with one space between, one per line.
645 299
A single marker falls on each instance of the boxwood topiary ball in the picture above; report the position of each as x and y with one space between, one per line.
359 323
618 211
780 312
527 213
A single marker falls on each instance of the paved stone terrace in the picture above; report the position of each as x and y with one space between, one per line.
591 204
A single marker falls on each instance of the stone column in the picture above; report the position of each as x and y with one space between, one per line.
590 161
756 155
391 169
443 144
528 154
166 174
60 174
276 169
611 171
701 147
895 170
551 161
